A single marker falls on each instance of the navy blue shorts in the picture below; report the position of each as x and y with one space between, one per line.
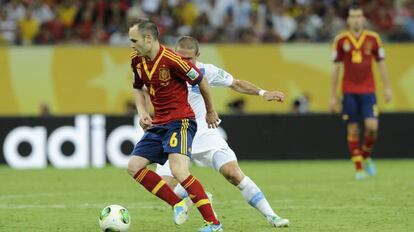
356 107
161 140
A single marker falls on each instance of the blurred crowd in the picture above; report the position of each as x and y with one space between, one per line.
214 21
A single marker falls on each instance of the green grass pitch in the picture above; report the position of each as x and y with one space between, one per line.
314 195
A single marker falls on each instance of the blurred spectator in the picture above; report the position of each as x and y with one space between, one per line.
41 12
120 37
67 13
210 21
130 108
15 10
29 28
149 6
283 24
408 19
301 104
332 24
186 11
136 11
7 28
237 106
55 28
44 109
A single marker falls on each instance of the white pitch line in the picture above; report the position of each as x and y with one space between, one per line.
47 206
160 206
29 195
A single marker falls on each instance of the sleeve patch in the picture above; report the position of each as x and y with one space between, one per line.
381 53
192 74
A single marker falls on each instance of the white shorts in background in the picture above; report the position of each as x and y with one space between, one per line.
215 158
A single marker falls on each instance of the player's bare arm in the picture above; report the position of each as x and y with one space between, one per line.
211 116
333 103
384 76
141 103
246 87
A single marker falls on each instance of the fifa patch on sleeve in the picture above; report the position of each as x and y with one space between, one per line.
381 53
334 55
192 74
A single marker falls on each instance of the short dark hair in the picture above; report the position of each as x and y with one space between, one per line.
145 27
188 42
354 7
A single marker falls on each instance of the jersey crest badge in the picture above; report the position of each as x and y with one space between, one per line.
164 76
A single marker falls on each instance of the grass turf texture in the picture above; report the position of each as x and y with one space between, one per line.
314 195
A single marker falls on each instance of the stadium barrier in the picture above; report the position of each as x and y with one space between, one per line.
98 79
96 140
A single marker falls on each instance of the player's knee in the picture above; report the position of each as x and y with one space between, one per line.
353 130
232 173
134 165
371 129
180 174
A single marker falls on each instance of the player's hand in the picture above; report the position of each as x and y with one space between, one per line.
212 119
333 105
387 94
145 122
274 96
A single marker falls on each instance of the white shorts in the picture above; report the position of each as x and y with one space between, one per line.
213 158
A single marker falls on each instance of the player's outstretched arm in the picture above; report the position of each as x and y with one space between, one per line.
333 103
384 76
142 104
246 87
211 116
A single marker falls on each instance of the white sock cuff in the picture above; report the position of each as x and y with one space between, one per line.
180 191
243 183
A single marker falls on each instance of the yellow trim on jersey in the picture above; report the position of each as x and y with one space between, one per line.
178 61
202 202
357 158
376 36
134 54
173 59
178 58
142 175
357 43
337 38
144 63
189 182
158 187
183 135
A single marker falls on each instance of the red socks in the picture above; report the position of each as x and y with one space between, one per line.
198 196
353 146
369 140
156 185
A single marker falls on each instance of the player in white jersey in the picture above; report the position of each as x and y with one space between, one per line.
209 148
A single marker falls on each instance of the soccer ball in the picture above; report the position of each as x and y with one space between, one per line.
114 218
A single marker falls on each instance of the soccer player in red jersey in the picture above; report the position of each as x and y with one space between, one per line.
170 132
356 48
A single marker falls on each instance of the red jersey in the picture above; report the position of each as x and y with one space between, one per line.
356 55
166 78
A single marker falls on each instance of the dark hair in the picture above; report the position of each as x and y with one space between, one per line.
145 27
188 42
354 7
